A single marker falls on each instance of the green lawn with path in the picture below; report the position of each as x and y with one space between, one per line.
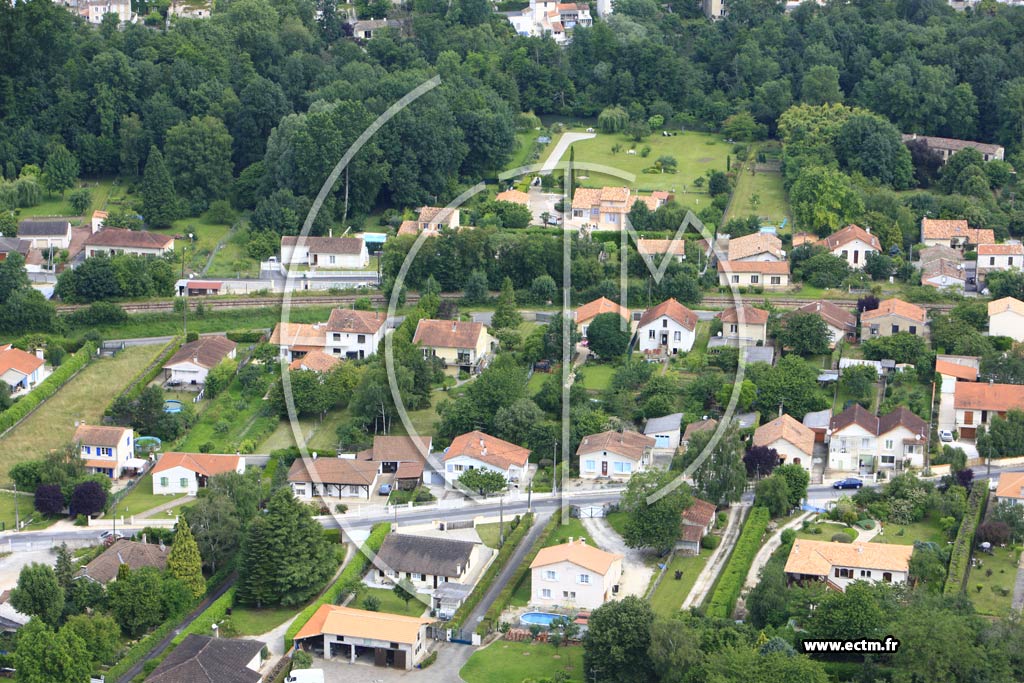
510 662
668 597
25 512
996 577
827 531
927 529
760 194
696 153
84 398
390 603
249 621
142 498
55 205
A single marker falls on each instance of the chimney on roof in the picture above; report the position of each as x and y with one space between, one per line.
39 353
570 540
330 231
143 538
195 359
455 324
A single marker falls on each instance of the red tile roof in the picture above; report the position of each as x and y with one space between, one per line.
674 311
700 513
448 334
965 372
119 238
766 267
15 359
488 449
627 443
355 322
751 315
896 307
981 396
849 234
834 315
207 464
591 310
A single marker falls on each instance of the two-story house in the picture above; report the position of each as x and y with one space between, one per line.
661 248
840 564
744 324
954 233
976 403
767 275
427 562
20 370
461 346
1006 318
354 334
893 316
110 241
697 521
476 450
1010 488
791 439
759 246
860 441
333 253
574 575
852 244
431 220
841 323
997 257
107 450
613 454
666 329
944 274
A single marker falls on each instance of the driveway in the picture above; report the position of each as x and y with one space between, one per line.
450 660
560 149
947 414
636 575
770 546
542 202
719 556
10 566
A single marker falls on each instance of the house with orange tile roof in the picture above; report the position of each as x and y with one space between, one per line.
953 233
767 275
22 371
1006 318
1010 488
744 324
354 334
477 450
947 366
107 450
853 244
551 18
606 208
461 346
613 454
703 425
891 317
380 638
193 361
840 564
295 340
185 473
315 361
793 441
841 323
666 329
586 313
111 241
514 196
574 575
997 257
659 248
758 246
977 403
697 521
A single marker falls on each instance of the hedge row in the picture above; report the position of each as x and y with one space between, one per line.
352 572
47 388
203 624
142 380
246 337
730 583
960 556
140 649
493 613
512 542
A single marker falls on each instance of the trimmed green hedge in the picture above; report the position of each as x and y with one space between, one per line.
730 583
140 382
246 337
140 649
353 571
48 387
505 596
960 556
203 625
512 542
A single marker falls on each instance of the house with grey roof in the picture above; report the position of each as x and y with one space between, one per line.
428 562
204 659
666 430
42 234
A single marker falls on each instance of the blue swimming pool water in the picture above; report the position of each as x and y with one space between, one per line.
541 618
172 406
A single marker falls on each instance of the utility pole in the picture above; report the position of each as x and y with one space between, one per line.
501 521
17 518
529 497
554 469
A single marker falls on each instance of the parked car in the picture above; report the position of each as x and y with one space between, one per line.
384 490
851 483
109 537
945 435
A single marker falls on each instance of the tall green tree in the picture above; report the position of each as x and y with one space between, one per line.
184 561
199 159
608 336
722 475
43 656
159 203
135 599
653 525
216 528
506 314
618 637
805 334
64 569
99 632
60 170
39 594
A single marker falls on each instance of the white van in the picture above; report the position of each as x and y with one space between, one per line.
305 676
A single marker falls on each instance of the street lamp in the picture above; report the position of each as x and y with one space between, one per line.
554 468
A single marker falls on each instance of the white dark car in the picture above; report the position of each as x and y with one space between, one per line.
945 435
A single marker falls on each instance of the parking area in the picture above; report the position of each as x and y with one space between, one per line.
450 659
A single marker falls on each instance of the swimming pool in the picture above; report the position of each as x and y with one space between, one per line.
539 618
172 406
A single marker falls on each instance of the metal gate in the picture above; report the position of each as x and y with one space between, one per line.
591 511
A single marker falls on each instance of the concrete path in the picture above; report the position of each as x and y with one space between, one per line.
636 574
164 507
769 547
1018 586
719 556
561 147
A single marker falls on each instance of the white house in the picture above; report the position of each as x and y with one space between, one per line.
427 562
840 564
614 454
793 441
860 441
586 313
185 473
661 248
759 246
390 640
112 241
665 430
43 234
1006 318
667 329
744 324
768 275
324 252
853 243
194 360
476 450
574 575
841 323
551 18
1010 488
976 403
107 450
993 257
20 370
698 521
332 478
97 9
354 334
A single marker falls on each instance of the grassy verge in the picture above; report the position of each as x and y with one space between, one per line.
760 194
730 583
142 498
668 597
597 376
927 530
390 603
249 621
508 662
995 578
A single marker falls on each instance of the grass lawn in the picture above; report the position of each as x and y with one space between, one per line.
54 205
249 621
25 511
231 260
142 498
828 530
696 153
537 380
524 145
1002 564
771 206
490 533
617 521
507 662
926 530
83 398
226 421
668 598
597 376
207 235
390 603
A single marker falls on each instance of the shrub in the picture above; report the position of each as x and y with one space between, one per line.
960 556
788 536
710 542
47 387
428 660
730 583
841 538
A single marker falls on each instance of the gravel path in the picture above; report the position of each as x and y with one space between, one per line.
718 558
1018 586
769 547
560 149
636 574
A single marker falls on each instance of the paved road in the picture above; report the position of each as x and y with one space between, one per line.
560 148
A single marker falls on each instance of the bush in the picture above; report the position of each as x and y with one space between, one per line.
710 542
428 660
730 583
788 536
841 538
960 556
47 388
246 337
511 543
96 314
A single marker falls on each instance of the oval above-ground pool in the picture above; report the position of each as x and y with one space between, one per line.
538 618
172 405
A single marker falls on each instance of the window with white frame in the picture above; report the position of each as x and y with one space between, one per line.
776 280
888 444
591 465
545 592
584 579
550 575
678 336
865 443
184 482
651 334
